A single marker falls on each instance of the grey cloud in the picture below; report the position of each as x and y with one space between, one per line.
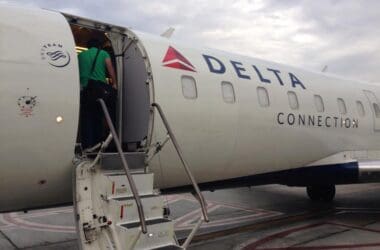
342 34
348 32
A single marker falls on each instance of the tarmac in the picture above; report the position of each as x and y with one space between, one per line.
271 217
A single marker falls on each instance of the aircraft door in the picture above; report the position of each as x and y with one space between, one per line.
136 99
375 107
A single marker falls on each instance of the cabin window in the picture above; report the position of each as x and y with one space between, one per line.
263 97
318 101
189 87
293 100
342 106
360 107
376 109
228 92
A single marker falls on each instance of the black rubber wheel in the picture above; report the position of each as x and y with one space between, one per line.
321 193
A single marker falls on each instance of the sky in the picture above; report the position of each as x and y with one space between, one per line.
343 34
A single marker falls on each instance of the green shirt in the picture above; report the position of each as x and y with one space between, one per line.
85 59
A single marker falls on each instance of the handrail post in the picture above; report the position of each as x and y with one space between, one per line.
125 165
184 163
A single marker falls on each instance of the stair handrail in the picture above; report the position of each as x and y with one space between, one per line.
184 163
125 166
103 146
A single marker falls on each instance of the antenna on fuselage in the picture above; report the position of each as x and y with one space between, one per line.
325 68
168 33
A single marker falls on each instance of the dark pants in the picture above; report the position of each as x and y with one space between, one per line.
93 127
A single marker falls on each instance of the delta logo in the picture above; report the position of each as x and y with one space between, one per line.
174 59
244 71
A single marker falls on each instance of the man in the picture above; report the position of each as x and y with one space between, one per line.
93 64
103 62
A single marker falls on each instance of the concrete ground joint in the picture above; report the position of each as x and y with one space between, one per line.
49 244
8 239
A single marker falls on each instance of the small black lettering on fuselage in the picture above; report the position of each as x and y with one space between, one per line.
322 121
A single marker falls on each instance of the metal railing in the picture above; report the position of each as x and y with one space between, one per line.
125 166
184 163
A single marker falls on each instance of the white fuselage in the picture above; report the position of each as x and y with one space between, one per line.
243 134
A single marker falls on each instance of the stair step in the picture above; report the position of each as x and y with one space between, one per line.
160 234
112 161
168 247
122 172
124 210
131 198
148 223
117 185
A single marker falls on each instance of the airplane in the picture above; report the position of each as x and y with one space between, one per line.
238 121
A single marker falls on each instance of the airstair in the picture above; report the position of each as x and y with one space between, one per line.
116 205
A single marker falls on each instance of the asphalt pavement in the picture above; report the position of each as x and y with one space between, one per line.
269 217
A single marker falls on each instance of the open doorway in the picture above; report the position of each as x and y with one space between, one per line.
83 34
133 116
93 128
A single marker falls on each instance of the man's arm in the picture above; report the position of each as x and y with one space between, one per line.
111 72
